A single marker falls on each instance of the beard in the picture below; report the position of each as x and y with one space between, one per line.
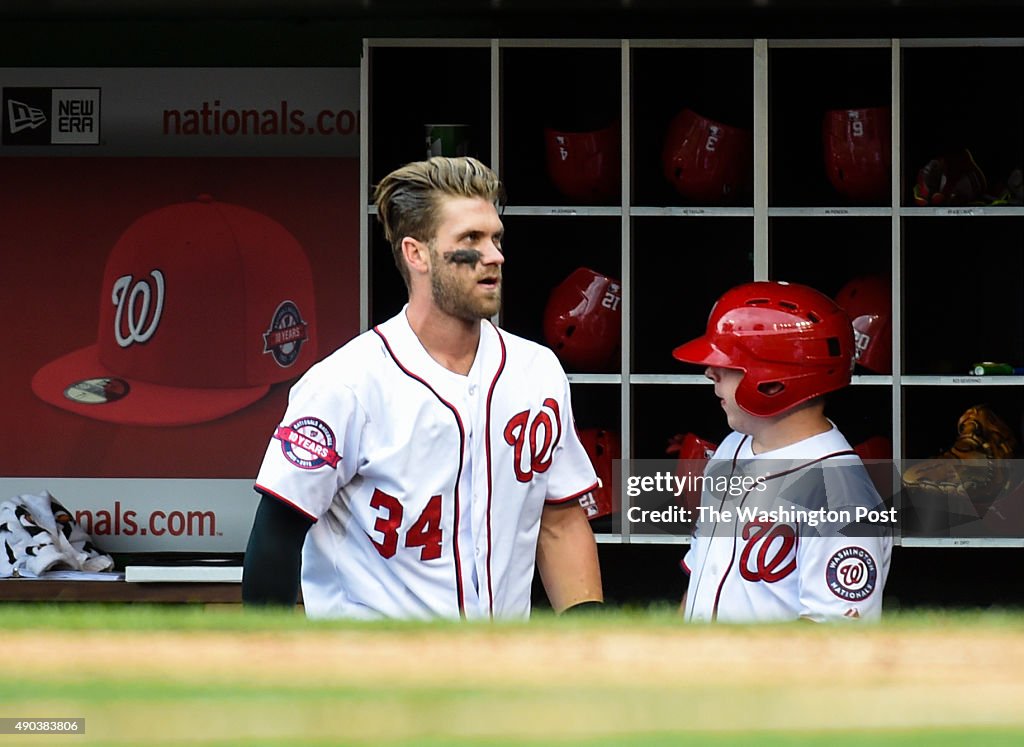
452 296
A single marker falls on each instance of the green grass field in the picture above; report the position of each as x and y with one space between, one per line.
172 675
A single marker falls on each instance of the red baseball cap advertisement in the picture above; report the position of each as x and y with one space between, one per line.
203 306
159 308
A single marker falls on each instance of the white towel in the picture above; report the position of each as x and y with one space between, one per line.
37 534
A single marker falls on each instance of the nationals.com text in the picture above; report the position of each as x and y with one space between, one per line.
128 523
210 119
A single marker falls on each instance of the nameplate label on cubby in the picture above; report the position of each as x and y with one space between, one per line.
962 542
963 211
1001 380
837 211
597 210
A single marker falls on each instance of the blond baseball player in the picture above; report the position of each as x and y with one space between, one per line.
808 536
428 466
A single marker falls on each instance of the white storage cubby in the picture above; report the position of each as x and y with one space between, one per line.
956 272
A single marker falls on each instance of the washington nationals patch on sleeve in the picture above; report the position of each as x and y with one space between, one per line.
852 574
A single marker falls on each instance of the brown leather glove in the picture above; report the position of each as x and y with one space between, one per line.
973 467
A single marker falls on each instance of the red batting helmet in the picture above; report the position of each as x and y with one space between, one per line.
858 147
603 447
693 453
707 161
875 447
582 320
876 453
867 301
584 166
776 333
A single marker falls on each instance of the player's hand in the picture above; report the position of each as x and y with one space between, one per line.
583 608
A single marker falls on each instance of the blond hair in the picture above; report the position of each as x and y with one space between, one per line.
408 199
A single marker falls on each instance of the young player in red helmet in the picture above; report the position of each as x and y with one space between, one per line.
808 536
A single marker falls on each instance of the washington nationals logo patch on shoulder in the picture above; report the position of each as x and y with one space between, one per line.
288 331
308 443
852 574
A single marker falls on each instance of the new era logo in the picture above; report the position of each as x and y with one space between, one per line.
51 116
21 116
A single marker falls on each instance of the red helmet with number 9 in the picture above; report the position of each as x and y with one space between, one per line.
583 320
858 149
792 342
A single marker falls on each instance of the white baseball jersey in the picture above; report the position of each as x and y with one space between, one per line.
426 486
770 554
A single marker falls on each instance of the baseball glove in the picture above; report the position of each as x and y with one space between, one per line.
974 468
952 179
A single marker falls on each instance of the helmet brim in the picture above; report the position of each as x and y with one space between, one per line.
701 351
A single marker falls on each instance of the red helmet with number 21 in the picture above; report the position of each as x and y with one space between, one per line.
583 321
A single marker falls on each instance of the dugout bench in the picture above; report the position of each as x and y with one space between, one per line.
151 583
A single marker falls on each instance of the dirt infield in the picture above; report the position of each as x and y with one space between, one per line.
482 681
661 657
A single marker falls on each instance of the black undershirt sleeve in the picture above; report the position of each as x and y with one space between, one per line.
273 557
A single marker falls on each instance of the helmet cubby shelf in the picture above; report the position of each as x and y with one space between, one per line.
683 167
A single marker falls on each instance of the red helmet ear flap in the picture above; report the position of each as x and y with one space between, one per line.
707 161
583 321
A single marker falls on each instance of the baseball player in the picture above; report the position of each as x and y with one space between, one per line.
425 468
805 534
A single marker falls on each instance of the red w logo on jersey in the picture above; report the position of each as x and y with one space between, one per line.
769 554
534 440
